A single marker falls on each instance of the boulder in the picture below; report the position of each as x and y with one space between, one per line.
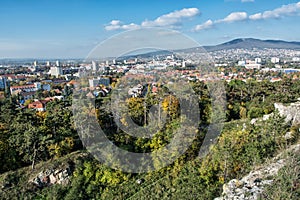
52 176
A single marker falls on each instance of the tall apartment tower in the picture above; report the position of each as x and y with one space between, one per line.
57 63
3 82
94 66
56 71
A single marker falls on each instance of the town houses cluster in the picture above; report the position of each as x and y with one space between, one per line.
37 82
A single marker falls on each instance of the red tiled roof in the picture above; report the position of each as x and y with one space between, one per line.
14 76
73 82
57 91
8 75
23 86
38 104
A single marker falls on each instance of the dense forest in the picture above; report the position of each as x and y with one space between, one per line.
29 139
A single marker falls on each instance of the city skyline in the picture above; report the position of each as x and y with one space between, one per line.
56 29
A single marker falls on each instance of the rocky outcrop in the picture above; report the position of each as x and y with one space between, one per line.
291 113
49 177
251 186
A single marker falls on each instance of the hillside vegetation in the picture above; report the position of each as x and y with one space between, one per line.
33 142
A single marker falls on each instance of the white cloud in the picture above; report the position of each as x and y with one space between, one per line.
244 1
256 16
113 25
173 18
115 22
168 20
118 25
285 10
130 26
233 17
206 25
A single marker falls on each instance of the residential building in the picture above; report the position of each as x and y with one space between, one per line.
241 63
25 88
275 60
253 66
39 105
3 82
56 71
94 82
27 95
54 98
104 81
94 66
46 87
258 60
99 81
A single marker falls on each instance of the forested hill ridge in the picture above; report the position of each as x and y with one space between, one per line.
250 43
239 43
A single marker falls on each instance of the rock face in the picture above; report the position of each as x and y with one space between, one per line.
251 186
52 176
291 112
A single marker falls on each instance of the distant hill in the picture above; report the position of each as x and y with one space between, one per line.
250 43
241 43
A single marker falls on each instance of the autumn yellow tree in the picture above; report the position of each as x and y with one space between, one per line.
170 105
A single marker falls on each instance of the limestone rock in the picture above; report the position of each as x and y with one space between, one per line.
52 176
291 113
252 185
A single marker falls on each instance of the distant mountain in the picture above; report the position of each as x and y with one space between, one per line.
241 43
250 43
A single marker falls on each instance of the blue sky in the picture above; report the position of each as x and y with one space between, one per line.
71 28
